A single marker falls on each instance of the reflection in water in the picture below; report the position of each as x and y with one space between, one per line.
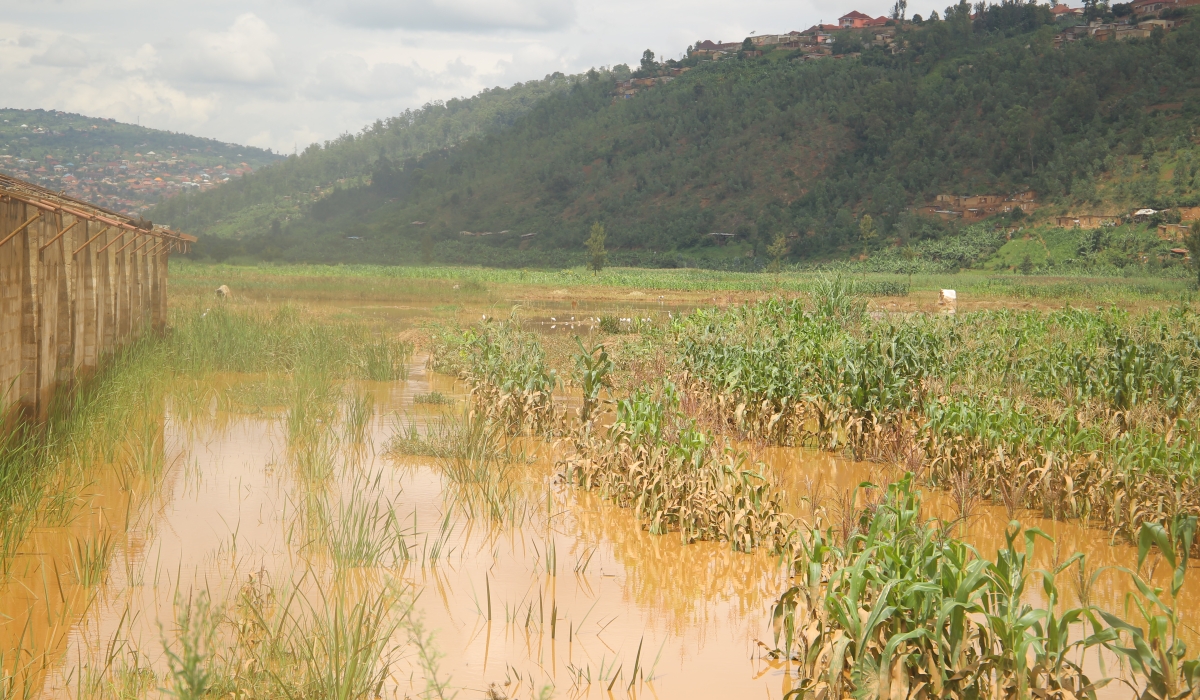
575 595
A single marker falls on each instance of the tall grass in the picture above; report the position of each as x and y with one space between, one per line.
308 639
90 557
474 455
341 281
113 420
285 339
360 529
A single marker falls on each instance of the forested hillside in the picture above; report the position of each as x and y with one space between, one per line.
765 146
283 193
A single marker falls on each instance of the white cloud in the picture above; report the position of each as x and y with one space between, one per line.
347 76
244 54
64 52
284 73
449 15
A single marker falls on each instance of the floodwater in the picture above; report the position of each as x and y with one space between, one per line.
571 593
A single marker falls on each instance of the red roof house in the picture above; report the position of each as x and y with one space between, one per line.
857 20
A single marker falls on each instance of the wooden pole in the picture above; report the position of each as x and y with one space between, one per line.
118 238
60 235
131 242
89 241
21 228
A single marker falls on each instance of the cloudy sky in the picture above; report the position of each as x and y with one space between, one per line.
282 73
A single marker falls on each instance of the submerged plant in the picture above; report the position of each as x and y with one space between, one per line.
191 655
359 410
506 368
360 529
90 557
676 477
903 607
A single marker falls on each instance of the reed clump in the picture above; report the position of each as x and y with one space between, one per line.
114 419
284 339
676 477
1081 414
307 638
475 456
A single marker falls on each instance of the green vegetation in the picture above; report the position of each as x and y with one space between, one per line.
477 285
109 422
506 368
900 604
676 477
327 176
763 147
597 255
37 134
1078 414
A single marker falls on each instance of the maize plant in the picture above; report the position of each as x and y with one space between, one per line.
506 368
677 478
902 609
1083 414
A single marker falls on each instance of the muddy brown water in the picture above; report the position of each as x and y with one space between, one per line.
578 593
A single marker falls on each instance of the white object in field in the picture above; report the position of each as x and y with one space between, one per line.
949 299
223 292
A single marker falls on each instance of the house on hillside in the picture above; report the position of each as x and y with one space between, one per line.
975 207
1141 8
815 36
769 39
857 20
715 48
1172 232
1061 11
1164 24
1086 221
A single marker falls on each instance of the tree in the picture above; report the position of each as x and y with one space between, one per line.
899 10
1192 242
910 256
777 250
747 45
1026 265
427 249
597 255
866 229
648 63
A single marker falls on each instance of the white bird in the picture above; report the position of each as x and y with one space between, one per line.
204 314
553 327
553 319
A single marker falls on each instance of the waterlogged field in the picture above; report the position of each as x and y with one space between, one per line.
418 491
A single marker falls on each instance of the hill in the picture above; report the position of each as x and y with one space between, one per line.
123 167
285 192
772 145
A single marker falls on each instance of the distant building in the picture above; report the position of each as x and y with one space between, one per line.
975 207
1061 11
710 48
854 20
